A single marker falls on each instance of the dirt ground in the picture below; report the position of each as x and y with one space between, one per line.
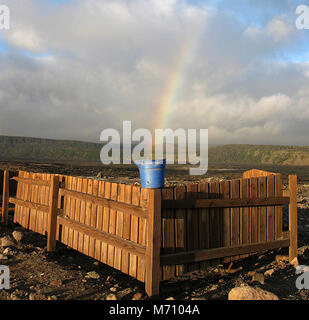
69 275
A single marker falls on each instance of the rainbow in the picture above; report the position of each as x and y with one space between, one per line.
175 80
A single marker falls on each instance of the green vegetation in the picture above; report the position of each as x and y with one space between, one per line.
260 154
22 148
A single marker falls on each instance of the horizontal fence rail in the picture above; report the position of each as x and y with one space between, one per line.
202 255
110 239
111 204
223 203
156 234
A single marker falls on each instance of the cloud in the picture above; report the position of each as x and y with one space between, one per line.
74 68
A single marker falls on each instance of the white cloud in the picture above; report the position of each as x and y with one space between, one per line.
280 30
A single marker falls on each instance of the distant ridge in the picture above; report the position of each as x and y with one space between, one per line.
260 154
24 148
36 149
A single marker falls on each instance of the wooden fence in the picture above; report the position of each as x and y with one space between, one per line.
157 234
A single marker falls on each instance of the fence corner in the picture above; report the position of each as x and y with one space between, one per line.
293 217
153 274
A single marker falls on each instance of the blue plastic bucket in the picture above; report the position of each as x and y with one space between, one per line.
151 173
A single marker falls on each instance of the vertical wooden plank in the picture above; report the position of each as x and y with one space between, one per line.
152 283
270 209
214 221
66 208
192 225
36 200
93 218
180 228
74 214
278 209
88 217
60 205
136 194
43 201
17 208
99 223
118 264
142 237
48 177
112 225
126 234
254 215
26 212
76 241
106 212
5 198
225 191
32 222
244 212
235 213
220 213
82 217
71 211
22 196
262 211
168 233
293 217
52 214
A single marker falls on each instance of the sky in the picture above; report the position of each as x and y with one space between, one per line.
239 68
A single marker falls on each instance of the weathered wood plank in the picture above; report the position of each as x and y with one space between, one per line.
153 276
108 238
254 215
262 212
136 195
38 181
168 233
118 264
93 218
278 210
106 211
126 232
52 214
5 198
192 225
112 225
142 235
110 203
209 254
235 216
180 228
293 217
223 203
99 223
244 214
271 209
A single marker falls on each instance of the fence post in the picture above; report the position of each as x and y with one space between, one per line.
5 199
293 217
153 274
52 213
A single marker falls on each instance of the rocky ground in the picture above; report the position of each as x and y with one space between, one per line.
67 274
